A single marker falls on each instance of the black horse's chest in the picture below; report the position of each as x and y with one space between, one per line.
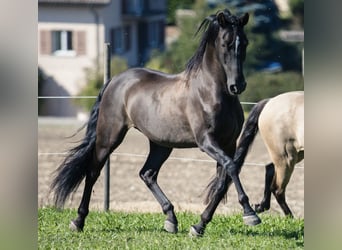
225 119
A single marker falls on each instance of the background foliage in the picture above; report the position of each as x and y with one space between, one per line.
265 47
95 81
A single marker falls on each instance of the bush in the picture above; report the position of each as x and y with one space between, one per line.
263 85
41 82
95 81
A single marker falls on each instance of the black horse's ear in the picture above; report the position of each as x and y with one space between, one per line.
244 19
221 18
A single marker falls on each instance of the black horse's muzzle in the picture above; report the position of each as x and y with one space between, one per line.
237 89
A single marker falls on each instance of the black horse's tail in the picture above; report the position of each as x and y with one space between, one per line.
74 167
247 137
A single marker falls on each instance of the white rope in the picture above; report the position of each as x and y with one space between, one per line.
66 97
171 158
93 97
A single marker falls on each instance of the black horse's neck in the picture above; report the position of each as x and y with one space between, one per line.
213 72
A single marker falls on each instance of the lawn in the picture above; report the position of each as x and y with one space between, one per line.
118 230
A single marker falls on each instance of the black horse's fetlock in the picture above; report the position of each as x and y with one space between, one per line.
259 208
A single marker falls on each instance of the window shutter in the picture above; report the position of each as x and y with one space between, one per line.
80 42
45 42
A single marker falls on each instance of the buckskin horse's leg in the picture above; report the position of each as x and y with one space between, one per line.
266 200
149 174
209 146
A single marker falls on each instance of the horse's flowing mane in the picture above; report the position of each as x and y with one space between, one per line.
210 28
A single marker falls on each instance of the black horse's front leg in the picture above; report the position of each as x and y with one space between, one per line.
230 170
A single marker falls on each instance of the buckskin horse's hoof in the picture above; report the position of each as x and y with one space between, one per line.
251 220
170 227
74 227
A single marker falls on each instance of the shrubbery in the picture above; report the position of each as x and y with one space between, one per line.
263 85
95 81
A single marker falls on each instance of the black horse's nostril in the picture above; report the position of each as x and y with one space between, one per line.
233 89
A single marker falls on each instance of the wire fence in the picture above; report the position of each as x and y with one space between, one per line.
142 155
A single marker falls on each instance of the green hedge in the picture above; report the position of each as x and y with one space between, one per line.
263 85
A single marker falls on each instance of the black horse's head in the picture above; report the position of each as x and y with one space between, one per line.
224 32
231 43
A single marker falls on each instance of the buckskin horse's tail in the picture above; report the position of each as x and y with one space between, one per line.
248 133
246 139
74 167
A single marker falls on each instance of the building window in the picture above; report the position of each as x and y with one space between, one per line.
155 34
62 43
121 39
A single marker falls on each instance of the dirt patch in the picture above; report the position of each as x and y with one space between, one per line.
183 176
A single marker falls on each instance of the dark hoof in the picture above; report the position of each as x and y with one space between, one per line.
194 233
259 208
251 220
170 227
74 227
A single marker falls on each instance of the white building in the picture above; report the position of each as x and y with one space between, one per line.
71 37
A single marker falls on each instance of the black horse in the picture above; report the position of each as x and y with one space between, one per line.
198 107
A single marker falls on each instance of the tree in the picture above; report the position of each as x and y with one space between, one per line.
41 82
173 5
297 9
175 58
264 47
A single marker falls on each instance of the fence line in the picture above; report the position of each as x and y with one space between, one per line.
141 155
170 158
106 168
68 97
94 97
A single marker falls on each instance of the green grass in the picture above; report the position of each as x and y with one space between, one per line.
117 230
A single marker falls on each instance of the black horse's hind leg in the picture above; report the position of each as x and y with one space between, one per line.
103 149
83 209
149 174
209 146
265 204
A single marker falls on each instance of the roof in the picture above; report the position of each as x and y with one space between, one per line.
77 2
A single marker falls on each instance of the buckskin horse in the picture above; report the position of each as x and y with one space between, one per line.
280 121
198 107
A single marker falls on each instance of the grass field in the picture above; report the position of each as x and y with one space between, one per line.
117 230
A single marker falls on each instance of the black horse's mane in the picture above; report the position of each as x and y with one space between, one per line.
210 28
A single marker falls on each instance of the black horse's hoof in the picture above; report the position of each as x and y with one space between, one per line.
74 227
170 227
195 233
251 220
258 208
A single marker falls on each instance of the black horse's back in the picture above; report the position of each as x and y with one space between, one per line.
73 169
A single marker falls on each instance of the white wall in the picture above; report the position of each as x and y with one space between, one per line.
68 72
